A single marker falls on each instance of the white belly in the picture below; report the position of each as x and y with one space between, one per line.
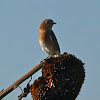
46 48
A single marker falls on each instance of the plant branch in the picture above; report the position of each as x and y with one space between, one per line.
20 80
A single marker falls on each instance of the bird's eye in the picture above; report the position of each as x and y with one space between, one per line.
48 22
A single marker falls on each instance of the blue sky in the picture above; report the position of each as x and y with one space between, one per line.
77 31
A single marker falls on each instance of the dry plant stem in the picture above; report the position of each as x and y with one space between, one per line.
20 80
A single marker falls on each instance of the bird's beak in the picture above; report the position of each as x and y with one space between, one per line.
54 23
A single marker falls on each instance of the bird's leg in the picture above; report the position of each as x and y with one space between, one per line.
48 56
52 54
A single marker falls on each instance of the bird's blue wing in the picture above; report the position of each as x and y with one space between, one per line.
54 39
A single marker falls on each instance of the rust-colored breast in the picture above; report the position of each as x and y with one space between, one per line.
44 36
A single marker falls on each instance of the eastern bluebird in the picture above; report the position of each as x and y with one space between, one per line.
47 38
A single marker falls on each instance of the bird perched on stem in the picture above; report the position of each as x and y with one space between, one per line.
47 38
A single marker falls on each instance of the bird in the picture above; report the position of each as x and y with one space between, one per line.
47 38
